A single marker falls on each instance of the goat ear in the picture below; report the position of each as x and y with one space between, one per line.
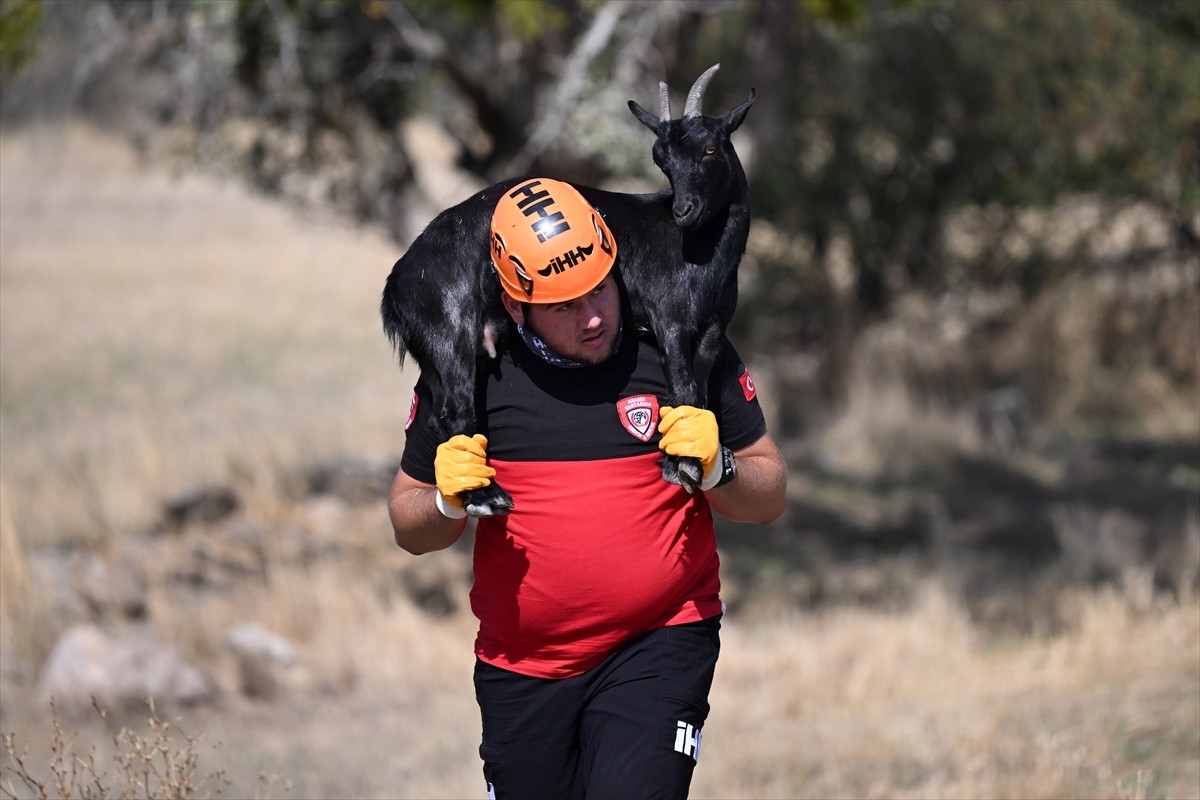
644 116
732 120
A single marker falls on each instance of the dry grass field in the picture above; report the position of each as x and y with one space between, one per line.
161 331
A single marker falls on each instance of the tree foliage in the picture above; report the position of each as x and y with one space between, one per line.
897 124
879 124
19 20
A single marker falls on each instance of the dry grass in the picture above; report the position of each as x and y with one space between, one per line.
159 331
162 765
857 703
154 333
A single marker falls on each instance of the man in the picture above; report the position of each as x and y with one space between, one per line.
598 595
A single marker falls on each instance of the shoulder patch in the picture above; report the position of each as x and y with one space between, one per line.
747 385
412 411
639 415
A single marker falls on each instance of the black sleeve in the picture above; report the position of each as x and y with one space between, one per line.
420 446
734 401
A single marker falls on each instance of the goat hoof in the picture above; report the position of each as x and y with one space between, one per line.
490 501
683 472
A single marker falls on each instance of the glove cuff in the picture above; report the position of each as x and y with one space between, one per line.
714 474
450 508
722 471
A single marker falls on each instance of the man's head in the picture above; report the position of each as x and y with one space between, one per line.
554 256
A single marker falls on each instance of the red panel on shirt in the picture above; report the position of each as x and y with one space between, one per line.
553 601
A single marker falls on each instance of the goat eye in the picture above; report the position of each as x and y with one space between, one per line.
708 151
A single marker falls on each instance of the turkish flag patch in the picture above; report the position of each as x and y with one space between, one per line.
639 415
747 386
412 412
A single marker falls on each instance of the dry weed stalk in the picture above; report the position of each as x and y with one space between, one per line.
155 767
265 789
13 566
24 629
1140 788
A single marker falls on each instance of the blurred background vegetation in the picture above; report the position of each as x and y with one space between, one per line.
976 228
898 149
970 301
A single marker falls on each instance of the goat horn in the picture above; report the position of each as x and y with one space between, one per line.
692 108
664 103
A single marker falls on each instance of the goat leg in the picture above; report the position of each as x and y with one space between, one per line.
673 332
688 472
490 501
456 415
682 470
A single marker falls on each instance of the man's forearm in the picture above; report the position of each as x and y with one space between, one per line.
417 524
759 493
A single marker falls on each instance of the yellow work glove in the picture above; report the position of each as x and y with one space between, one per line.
692 432
460 466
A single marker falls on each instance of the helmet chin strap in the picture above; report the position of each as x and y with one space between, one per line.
544 351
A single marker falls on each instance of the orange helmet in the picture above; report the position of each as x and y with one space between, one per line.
548 244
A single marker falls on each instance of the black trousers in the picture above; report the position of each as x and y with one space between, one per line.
626 729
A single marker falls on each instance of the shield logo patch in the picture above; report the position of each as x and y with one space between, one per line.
639 415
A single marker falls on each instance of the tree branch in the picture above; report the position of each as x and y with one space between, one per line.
431 47
551 121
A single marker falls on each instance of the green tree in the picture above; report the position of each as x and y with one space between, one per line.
875 130
878 121
19 21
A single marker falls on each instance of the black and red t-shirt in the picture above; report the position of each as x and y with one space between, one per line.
598 547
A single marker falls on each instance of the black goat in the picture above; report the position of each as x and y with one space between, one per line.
678 256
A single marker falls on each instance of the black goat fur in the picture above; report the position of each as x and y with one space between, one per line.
678 252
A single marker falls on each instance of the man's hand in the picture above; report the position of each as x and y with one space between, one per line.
692 432
460 466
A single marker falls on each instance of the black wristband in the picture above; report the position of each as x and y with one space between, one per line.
728 466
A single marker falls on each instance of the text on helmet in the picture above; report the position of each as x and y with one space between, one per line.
538 201
566 260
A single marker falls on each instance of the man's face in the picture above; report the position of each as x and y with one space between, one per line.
584 329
